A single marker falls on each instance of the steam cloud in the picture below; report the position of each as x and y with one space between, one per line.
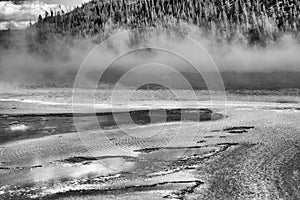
20 65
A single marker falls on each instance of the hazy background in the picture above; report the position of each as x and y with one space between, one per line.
273 67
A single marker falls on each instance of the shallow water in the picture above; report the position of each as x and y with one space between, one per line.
52 159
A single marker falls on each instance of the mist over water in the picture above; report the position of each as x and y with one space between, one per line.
239 64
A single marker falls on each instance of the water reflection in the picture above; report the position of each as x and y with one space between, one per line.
61 171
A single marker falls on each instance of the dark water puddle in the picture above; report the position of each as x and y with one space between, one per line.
78 159
227 144
150 150
283 108
235 130
208 136
24 126
189 150
238 131
81 159
238 128
19 167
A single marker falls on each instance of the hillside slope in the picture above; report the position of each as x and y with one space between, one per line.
247 21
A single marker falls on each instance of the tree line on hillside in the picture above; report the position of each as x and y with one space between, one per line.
253 21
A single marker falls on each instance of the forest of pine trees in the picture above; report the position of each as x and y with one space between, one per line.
253 21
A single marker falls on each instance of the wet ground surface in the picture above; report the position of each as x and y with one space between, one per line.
24 126
252 153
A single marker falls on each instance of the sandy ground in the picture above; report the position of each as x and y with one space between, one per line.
253 153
